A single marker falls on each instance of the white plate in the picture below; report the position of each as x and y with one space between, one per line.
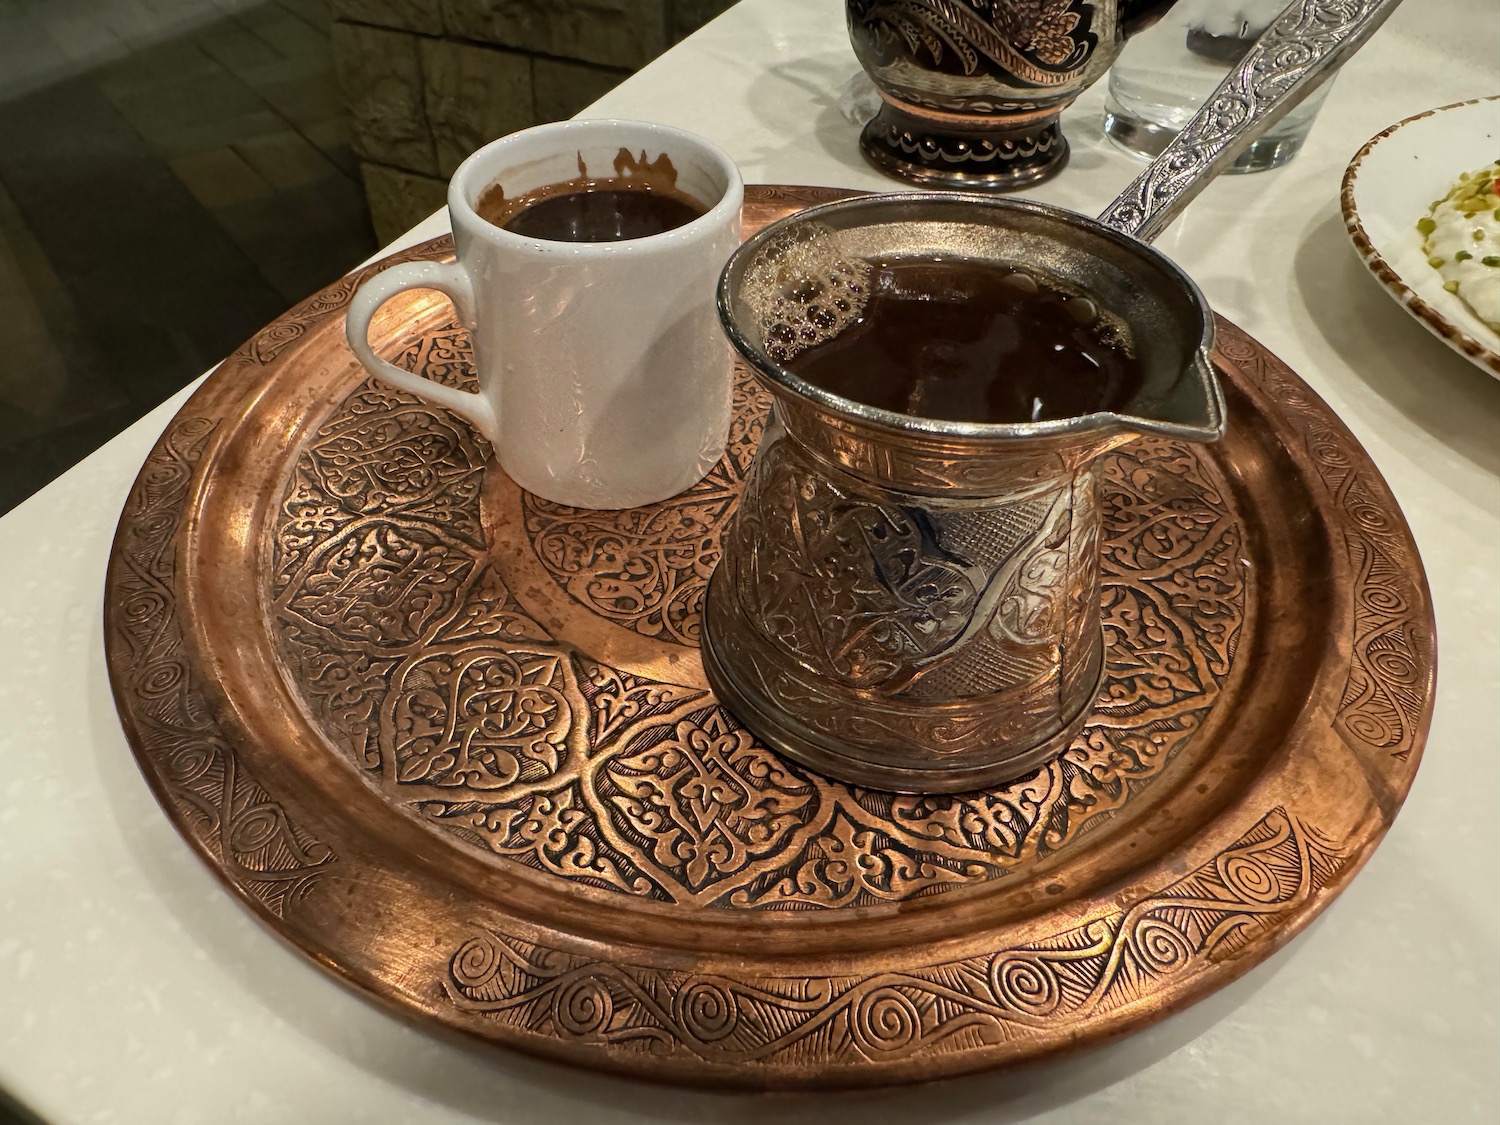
1391 183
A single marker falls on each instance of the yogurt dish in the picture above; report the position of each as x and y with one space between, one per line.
1462 242
1407 212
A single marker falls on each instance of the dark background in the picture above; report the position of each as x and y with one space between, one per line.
173 175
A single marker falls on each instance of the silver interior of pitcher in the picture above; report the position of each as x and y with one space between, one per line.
1169 324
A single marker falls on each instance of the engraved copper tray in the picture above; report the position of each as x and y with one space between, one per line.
454 742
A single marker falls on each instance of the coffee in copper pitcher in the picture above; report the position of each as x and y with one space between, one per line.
972 341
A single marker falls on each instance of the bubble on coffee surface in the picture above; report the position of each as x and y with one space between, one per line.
1108 327
804 290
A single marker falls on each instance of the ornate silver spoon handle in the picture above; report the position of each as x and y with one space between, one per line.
1303 47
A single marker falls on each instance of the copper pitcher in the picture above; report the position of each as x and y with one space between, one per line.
913 604
972 89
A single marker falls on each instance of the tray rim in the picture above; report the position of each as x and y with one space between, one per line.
1115 1023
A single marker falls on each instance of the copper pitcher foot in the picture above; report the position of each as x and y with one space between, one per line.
904 772
954 152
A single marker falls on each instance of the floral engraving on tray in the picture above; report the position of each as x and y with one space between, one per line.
252 839
412 654
707 801
480 719
647 568
1104 964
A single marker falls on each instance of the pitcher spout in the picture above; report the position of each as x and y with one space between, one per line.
1189 409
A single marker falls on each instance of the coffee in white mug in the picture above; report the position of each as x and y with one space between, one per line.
604 379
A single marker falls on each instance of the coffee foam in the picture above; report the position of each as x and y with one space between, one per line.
804 289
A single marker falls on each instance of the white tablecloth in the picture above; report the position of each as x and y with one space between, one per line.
133 989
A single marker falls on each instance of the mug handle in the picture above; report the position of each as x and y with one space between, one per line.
447 278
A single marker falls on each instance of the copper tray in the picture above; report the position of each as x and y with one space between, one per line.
454 743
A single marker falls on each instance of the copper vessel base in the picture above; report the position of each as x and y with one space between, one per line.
967 156
456 745
801 744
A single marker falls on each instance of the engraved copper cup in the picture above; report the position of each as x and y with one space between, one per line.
913 604
971 90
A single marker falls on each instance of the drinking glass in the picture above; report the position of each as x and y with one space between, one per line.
1166 73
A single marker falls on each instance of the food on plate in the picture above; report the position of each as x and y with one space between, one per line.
1462 233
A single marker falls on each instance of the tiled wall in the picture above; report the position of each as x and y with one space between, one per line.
428 81
173 175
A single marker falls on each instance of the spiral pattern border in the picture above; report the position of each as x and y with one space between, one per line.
1081 973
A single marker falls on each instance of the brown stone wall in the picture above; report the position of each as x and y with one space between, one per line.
428 81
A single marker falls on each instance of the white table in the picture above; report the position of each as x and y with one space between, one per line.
133 989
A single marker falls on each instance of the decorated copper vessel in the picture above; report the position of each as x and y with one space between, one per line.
913 604
971 89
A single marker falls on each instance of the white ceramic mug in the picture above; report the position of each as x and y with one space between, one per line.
604 378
